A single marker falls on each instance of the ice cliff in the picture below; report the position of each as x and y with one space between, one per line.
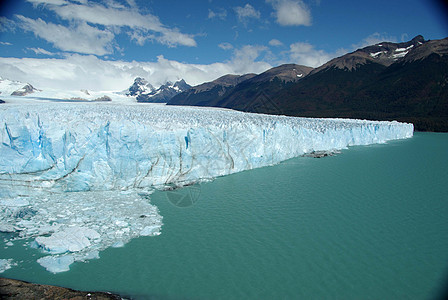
82 147
109 154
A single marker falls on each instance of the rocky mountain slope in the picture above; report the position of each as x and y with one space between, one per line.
224 92
387 81
15 88
201 94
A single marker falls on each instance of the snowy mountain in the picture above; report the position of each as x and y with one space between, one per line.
15 91
145 92
385 54
15 88
140 86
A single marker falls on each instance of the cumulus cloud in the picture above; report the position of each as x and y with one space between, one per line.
82 38
75 71
275 43
111 16
246 12
291 12
102 22
306 54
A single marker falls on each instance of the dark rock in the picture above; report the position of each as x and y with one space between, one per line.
103 98
16 289
25 90
320 154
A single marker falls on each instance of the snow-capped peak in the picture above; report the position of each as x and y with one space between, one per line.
145 92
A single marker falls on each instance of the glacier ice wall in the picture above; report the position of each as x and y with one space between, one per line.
84 147
74 177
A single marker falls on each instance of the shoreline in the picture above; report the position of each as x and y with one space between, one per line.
18 289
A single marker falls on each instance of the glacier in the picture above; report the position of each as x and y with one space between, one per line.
75 178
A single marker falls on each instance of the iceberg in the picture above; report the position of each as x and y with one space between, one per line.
75 177
6 264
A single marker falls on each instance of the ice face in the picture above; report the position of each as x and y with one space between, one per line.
71 175
82 147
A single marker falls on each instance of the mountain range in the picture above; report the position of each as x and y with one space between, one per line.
145 92
388 81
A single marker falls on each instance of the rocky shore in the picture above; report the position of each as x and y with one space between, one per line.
16 289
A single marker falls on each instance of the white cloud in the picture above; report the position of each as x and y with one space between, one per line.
50 2
220 14
75 71
114 15
245 59
291 12
246 12
225 46
306 54
82 38
111 16
41 51
275 43
6 24
5 43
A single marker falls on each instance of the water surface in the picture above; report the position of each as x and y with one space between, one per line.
369 223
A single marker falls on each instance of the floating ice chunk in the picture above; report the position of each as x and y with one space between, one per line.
7 228
73 239
6 264
61 263
56 264
149 230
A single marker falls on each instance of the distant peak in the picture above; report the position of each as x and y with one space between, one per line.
418 38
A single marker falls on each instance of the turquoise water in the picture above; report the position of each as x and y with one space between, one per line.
370 223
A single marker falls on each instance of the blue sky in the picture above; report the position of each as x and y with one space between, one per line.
104 44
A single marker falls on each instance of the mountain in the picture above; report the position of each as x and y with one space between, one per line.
406 82
145 92
202 94
15 88
227 91
140 86
388 81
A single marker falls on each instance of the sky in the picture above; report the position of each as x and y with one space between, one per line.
105 44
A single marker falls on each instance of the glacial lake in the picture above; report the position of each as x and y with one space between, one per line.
368 223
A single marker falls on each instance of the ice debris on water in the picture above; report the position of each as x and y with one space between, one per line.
6 264
71 173
69 226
